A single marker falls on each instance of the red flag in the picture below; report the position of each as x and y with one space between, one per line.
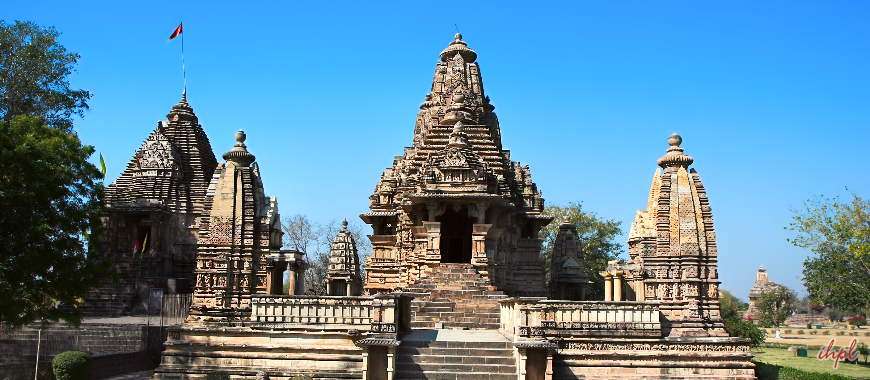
176 32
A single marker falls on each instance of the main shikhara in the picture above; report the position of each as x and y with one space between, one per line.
455 246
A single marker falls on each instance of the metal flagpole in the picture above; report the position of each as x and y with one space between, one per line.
183 72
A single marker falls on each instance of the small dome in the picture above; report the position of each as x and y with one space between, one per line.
675 157
458 46
239 154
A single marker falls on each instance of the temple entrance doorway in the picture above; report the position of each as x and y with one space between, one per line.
456 228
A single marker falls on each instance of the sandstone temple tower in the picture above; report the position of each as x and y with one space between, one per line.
455 196
153 210
239 242
673 252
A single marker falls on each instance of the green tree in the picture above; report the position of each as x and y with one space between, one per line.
838 233
50 200
730 305
775 305
33 76
597 237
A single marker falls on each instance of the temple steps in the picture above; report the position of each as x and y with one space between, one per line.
455 296
448 354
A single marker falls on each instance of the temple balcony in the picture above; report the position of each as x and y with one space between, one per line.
536 318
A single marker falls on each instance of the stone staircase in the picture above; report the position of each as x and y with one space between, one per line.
455 297
455 355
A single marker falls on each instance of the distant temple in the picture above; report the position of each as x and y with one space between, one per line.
762 283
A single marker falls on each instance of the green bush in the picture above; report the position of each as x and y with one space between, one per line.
71 365
217 375
800 332
745 329
826 332
764 371
788 331
814 332
840 333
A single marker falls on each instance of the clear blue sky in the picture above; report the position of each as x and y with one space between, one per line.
772 98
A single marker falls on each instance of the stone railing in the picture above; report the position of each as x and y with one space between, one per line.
526 318
381 314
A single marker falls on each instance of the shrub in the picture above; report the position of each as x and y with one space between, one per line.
800 332
217 375
826 332
745 329
814 332
788 331
857 321
71 365
840 333
867 333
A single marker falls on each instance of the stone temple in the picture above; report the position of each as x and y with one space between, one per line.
455 196
455 287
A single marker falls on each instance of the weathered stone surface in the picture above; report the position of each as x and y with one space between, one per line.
673 251
152 214
239 241
455 196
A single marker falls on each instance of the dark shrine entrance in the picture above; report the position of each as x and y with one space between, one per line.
456 228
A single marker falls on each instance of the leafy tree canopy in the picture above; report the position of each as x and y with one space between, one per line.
730 305
775 305
50 199
33 76
838 233
597 237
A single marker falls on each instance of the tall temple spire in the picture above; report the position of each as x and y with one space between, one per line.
457 175
674 243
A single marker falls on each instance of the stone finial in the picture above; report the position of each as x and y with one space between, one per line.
761 269
344 225
566 220
239 154
458 138
458 46
674 158
182 111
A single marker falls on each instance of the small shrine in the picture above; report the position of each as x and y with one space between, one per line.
343 275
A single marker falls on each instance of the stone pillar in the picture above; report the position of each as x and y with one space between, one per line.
292 287
300 279
608 287
617 287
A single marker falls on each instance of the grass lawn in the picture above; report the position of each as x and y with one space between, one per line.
818 339
784 358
